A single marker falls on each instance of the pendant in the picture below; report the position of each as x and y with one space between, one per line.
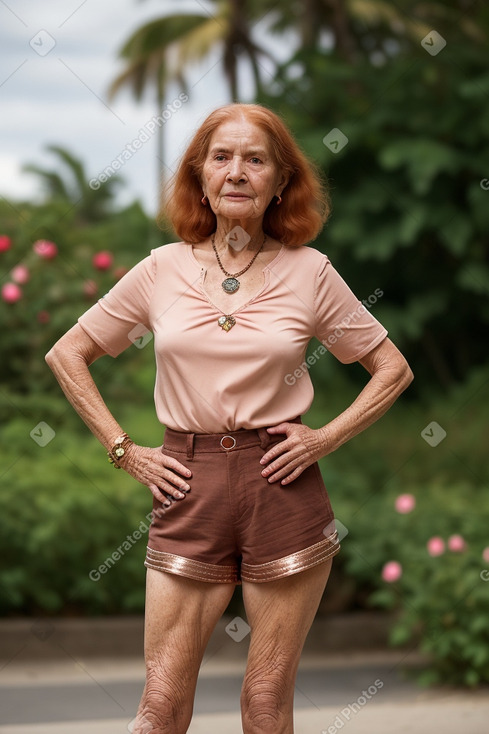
230 285
226 322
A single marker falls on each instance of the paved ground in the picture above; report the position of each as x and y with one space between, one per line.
71 695
101 696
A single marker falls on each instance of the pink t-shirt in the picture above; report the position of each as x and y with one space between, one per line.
212 381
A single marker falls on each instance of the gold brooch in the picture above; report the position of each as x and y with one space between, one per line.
226 322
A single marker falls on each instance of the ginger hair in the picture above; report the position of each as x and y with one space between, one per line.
305 203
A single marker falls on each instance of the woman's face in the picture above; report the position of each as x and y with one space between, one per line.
240 176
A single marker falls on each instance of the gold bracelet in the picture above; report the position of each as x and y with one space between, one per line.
118 450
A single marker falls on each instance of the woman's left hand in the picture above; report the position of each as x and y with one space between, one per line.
288 459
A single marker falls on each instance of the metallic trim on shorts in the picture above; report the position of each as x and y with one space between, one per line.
295 562
197 570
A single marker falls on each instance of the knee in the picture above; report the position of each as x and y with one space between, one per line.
165 708
266 704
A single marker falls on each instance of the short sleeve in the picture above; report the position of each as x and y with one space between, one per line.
344 324
122 315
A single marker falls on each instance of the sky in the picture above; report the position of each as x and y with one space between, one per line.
57 61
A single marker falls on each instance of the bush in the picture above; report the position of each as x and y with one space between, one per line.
416 520
410 213
63 511
54 268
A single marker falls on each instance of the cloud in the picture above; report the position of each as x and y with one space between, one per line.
61 97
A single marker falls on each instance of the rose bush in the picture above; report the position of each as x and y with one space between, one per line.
417 531
48 278
41 298
53 268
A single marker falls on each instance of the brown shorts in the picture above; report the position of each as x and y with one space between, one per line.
233 524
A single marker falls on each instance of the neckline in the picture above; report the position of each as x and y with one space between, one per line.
265 284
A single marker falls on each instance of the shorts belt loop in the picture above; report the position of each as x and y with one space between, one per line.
190 445
265 437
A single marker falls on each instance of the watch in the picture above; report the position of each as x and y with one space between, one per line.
118 450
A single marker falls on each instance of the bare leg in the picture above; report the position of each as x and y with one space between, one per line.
280 614
180 615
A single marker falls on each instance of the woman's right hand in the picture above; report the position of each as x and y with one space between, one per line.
69 359
159 472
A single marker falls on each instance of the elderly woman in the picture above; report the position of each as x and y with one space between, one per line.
238 497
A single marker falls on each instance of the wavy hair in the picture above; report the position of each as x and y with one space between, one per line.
305 203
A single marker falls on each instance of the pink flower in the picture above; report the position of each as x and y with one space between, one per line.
44 317
456 543
11 293
5 243
45 249
405 503
392 571
102 260
120 272
90 288
436 546
485 554
20 274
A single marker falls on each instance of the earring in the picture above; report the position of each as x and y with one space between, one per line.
204 201
279 200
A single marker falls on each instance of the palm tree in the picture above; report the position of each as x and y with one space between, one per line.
148 58
361 27
92 203
159 53
228 27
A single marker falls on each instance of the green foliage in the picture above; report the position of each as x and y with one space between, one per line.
440 602
72 186
410 215
62 506
63 512
62 288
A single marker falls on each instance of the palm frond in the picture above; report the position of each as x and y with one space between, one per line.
135 77
73 164
158 34
147 51
376 12
51 180
197 43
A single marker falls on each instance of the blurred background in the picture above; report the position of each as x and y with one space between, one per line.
391 101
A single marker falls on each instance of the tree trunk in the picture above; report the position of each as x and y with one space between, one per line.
437 360
237 29
340 25
310 25
160 145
